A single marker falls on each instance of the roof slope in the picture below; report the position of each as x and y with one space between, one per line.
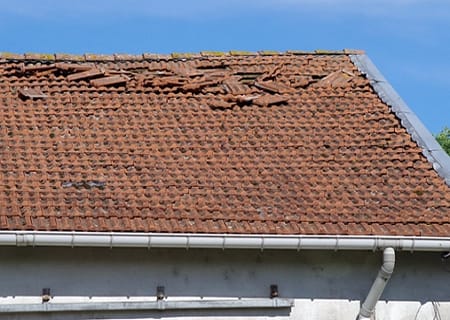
297 143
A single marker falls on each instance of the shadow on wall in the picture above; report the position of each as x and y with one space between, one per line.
216 273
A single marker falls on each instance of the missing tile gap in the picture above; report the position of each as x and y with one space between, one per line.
84 184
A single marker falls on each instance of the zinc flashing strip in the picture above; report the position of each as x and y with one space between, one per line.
147 305
409 120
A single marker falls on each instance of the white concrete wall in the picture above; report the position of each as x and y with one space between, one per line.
325 285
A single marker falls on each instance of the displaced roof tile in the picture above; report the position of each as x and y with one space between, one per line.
32 93
273 87
268 100
107 81
85 74
336 78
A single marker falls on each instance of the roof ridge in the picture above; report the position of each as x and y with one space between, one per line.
91 57
408 119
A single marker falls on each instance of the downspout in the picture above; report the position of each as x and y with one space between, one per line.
368 307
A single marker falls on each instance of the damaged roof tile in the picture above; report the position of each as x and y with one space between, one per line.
337 78
73 66
235 87
32 93
269 100
273 87
37 67
108 81
93 72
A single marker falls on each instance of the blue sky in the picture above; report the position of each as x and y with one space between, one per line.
408 40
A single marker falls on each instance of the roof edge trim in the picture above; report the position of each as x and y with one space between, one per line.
220 241
409 120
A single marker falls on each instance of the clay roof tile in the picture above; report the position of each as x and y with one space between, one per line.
237 142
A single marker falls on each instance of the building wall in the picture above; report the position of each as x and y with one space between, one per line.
326 285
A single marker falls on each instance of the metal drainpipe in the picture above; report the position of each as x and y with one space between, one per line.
368 307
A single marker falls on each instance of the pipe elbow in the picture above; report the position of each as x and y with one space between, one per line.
388 262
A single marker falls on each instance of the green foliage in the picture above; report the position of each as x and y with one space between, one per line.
443 138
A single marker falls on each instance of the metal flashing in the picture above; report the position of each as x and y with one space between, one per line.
90 57
409 120
147 305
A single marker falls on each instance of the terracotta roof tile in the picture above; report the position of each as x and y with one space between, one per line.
238 142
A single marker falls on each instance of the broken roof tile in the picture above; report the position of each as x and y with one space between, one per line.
36 67
32 93
269 100
233 86
94 72
108 81
73 66
164 82
336 78
183 70
273 87
243 99
219 104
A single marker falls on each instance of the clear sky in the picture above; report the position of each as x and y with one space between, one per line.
408 40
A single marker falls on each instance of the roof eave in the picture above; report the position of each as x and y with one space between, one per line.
409 120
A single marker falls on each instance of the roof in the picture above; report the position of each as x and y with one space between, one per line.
240 143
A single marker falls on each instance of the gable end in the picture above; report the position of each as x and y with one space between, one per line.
419 133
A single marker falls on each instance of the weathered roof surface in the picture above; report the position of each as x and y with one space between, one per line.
292 143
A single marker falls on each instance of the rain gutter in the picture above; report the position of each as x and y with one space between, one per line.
220 241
